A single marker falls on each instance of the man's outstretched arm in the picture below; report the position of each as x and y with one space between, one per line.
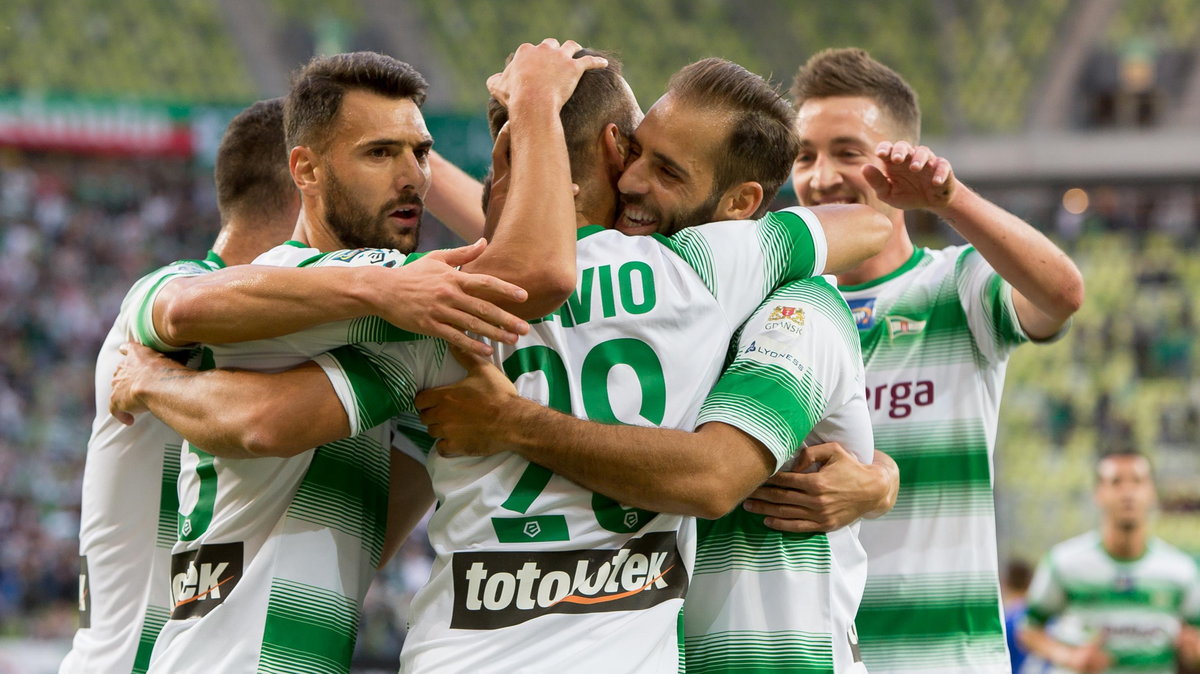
1048 288
231 413
705 473
247 302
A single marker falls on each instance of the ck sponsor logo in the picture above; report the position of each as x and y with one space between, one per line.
864 312
786 318
899 325
85 594
501 589
202 578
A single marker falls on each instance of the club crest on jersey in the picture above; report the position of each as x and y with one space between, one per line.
493 590
370 255
899 325
202 578
864 312
786 318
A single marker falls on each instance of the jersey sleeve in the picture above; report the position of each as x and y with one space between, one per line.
987 300
742 261
794 361
139 301
375 381
1046 597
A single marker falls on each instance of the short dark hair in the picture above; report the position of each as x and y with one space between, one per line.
251 173
852 72
1122 452
762 143
313 102
600 98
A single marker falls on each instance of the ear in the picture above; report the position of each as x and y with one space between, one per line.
302 163
614 148
740 202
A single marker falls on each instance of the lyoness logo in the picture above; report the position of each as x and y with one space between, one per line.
202 578
501 589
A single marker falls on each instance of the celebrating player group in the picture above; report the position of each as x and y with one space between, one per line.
664 426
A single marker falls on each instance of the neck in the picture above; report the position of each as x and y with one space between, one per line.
237 244
899 249
1124 543
314 232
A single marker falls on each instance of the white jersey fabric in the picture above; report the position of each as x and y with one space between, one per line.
936 335
762 600
1136 606
534 573
127 511
275 554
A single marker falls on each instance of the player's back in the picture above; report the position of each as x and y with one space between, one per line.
127 511
522 553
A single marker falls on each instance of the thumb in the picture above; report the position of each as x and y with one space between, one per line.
457 257
876 179
824 453
472 362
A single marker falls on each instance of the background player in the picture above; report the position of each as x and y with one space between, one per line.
1120 599
127 518
936 329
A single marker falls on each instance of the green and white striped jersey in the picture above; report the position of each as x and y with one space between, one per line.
762 600
127 511
534 572
1136 606
274 555
936 335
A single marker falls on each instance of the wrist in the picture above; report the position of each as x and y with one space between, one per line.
517 423
364 292
962 200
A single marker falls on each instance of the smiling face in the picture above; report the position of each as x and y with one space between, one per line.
669 181
376 172
838 136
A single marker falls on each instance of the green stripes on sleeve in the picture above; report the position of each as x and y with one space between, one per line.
374 399
768 402
789 251
694 248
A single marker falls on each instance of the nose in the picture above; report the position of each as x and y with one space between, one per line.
633 179
824 175
411 172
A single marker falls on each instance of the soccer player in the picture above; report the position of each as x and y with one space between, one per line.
127 514
936 328
528 556
1121 600
796 377
279 551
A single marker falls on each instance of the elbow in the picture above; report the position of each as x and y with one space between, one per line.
877 230
711 500
260 436
180 315
548 290
1071 294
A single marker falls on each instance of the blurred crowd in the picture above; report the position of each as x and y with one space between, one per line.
76 232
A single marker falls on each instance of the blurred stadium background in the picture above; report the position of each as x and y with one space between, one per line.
1083 116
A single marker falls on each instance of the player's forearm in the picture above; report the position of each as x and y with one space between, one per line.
657 469
1023 256
853 233
410 495
243 414
1037 642
534 242
887 474
250 302
455 198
